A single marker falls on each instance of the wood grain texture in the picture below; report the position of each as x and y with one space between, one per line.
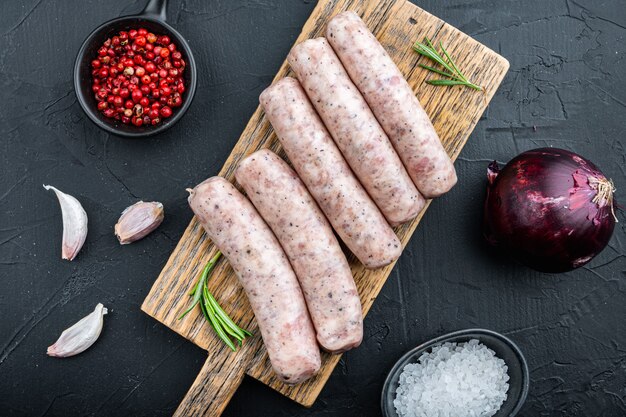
454 112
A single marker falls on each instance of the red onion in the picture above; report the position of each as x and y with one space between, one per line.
550 208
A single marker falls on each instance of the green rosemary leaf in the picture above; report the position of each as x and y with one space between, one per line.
198 294
445 82
427 49
193 304
429 43
449 59
431 54
203 278
217 326
453 82
214 259
424 49
437 71
439 59
228 328
224 318
206 315
221 323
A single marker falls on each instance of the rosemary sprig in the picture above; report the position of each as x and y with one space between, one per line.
456 76
223 325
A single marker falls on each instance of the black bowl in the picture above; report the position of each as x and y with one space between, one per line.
504 348
153 19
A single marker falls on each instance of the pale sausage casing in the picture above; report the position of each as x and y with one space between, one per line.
259 262
308 241
393 102
362 141
327 176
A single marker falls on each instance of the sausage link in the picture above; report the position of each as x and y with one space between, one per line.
263 270
355 130
393 102
328 177
308 241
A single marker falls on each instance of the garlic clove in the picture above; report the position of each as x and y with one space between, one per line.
74 224
139 220
80 336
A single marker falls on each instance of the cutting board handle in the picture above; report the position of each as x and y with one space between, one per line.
211 391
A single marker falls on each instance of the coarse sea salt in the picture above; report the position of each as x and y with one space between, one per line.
453 380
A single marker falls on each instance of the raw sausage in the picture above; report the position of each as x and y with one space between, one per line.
263 270
393 102
308 241
318 162
355 130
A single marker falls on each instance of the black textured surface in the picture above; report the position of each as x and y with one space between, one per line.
566 88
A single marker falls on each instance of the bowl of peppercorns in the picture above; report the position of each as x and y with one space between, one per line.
135 76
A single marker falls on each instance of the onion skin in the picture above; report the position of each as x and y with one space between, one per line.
540 209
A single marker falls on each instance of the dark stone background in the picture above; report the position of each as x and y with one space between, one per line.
566 88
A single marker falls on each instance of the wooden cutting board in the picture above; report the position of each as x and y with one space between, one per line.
454 112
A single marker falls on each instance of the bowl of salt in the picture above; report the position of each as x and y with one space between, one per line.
473 372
